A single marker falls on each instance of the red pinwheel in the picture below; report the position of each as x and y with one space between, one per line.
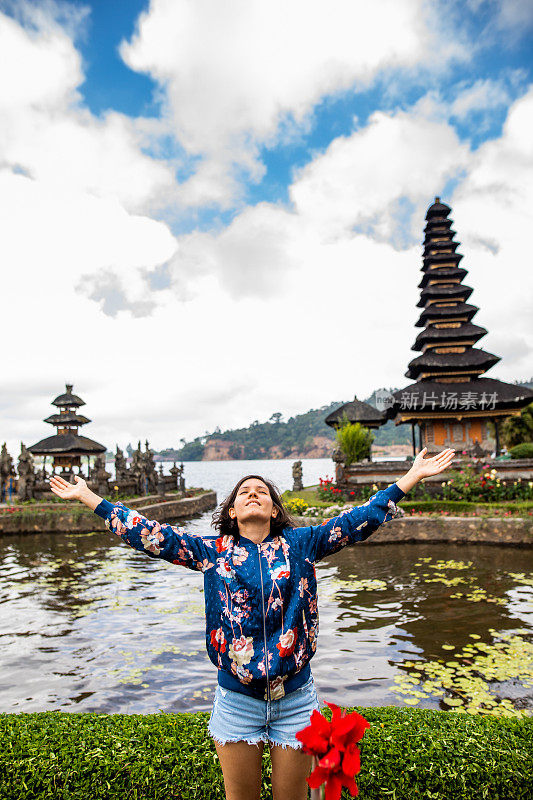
334 745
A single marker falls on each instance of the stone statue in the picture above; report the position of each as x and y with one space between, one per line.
121 467
150 472
175 472
182 477
26 482
161 481
7 473
477 451
137 470
297 484
99 476
338 458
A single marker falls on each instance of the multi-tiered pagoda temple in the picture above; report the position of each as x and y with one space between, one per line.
450 400
67 446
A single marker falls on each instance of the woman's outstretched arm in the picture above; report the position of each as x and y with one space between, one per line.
77 491
154 539
359 522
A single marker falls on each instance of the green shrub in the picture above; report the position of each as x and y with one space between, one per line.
405 754
354 440
524 450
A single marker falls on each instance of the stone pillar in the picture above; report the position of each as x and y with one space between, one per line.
497 437
297 484
161 481
338 458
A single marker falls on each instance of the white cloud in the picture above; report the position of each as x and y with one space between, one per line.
46 133
493 204
70 181
51 66
361 181
232 73
285 307
482 95
515 15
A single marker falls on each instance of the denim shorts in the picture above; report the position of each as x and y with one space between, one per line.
238 717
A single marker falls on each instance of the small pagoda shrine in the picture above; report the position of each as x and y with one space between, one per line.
449 400
67 446
357 411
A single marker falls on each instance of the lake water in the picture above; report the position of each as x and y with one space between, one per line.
88 624
221 476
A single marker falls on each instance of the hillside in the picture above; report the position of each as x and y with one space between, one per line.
302 436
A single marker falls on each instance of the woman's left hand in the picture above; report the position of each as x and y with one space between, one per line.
424 467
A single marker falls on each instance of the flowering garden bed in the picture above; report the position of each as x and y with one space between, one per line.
308 503
405 754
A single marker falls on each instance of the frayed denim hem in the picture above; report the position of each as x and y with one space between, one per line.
284 745
262 738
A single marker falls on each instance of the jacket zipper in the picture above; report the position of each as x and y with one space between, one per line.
264 623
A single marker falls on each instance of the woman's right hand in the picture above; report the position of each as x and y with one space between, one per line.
68 491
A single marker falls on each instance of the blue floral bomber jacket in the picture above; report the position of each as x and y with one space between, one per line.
260 599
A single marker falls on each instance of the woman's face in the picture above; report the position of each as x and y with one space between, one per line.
253 502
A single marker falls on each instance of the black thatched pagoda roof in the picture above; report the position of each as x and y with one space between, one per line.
66 443
357 411
70 418
430 245
68 399
456 310
436 290
441 273
441 258
467 330
437 209
473 360
449 363
507 396
437 226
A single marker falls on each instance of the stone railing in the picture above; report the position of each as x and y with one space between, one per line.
516 532
366 473
68 518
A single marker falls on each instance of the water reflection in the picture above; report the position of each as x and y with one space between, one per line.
87 624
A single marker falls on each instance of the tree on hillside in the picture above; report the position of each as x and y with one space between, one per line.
276 417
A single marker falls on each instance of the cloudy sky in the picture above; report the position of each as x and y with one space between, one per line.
213 209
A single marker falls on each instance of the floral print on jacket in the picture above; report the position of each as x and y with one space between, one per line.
260 599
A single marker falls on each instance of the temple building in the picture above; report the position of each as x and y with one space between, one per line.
451 400
67 446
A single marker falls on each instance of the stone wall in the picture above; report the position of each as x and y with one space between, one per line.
68 518
483 530
366 473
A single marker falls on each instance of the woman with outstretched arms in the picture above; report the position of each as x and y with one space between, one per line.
261 609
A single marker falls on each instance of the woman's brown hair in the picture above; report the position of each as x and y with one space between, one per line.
226 526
